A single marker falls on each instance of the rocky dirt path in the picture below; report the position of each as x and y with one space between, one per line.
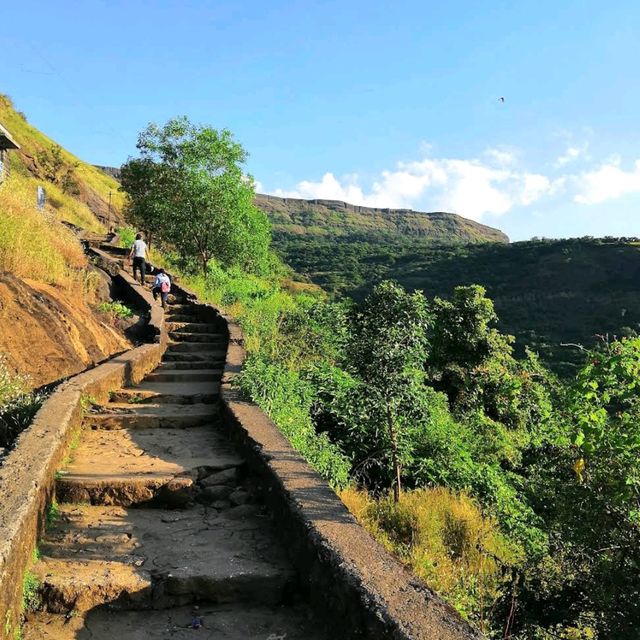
159 529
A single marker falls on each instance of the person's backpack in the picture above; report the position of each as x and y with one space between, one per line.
165 286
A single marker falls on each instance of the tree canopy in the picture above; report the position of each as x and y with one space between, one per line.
188 190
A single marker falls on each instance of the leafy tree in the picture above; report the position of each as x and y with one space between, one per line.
189 187
53 167
387 349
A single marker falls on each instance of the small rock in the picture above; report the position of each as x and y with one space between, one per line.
211 494
240 496
242 511
228 476
221 504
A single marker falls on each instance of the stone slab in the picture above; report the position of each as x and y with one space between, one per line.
219 622
139 466
152 558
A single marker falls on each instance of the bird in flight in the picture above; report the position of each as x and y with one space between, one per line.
500 99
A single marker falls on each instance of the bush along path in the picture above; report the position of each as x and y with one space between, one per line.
157 530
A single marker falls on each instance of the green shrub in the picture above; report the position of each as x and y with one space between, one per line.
287 399
31 600
116 309
126 236
18 405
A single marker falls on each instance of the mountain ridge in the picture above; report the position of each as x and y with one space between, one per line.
322 217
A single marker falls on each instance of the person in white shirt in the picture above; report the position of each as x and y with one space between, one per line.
161 287
139 254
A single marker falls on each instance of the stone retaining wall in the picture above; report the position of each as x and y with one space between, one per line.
27 475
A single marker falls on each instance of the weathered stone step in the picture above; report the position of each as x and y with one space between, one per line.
182 309
169 392
182 365
160 466
190 347
209 357
193 375
124 415
211 338
143 558
219 622
193 327
182 317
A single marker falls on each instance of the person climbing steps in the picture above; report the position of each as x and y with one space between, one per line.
161 287
139 255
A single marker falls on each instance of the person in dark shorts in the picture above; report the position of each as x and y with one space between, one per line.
139 254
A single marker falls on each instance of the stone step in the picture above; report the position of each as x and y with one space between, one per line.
150 466
141 558
168 393
193 327
193 375
181 365
241 621
207 346
182 317
212 338
126 415
208 357
182 309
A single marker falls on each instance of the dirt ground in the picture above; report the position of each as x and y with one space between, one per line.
47 335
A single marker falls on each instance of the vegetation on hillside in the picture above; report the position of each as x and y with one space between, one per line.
77 192
33 243
329 219
513 493
546 292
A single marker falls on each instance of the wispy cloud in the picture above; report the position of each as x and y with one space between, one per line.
493 184
608 182
472 187
571 154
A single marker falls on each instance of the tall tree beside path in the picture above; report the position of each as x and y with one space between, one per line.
387 350
188 189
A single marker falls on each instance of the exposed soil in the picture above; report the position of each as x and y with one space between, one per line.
47 335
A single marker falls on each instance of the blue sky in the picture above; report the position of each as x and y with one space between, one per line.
379 103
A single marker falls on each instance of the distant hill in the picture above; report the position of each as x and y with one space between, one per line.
336 219
546 292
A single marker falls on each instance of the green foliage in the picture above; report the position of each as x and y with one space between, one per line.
31 600
446 540
18 405
116 309
53 514
546 292
126 236
56 168
386 353
188 190
287 398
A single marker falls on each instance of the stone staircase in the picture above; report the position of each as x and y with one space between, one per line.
160 531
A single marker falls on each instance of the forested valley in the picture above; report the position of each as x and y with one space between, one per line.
511 491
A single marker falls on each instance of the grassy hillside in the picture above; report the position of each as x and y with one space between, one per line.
83 198
49 324
545 292
331 218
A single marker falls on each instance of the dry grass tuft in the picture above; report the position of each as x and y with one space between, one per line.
446 540
35 245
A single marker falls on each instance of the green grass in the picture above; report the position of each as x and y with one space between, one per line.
31 600
126 236
116 309
53 514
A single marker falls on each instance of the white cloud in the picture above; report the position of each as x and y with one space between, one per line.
471 188
607 182
570 155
